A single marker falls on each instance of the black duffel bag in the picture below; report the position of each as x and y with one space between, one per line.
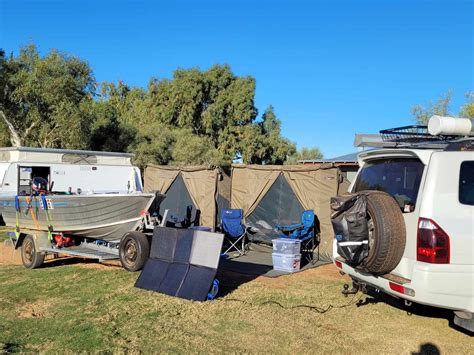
349 221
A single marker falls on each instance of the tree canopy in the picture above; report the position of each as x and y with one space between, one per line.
441 107
45 102
196 117
304 154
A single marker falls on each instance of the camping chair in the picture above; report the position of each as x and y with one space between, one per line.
304 231
234 230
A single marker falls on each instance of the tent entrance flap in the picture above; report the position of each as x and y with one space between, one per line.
177 199
279 206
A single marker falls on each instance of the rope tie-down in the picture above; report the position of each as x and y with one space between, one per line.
17 216
48 218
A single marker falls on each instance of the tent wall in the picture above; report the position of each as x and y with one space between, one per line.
202 184
313 187
249 185
158 178
344 184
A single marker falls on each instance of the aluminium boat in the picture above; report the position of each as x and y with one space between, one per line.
97 216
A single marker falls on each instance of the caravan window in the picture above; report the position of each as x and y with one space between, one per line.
73 158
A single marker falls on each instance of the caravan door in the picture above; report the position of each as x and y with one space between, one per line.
27 173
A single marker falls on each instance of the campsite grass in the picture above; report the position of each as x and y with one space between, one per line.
83 307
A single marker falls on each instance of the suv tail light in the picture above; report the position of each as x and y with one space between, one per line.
432 245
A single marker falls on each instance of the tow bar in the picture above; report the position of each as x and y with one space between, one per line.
356 287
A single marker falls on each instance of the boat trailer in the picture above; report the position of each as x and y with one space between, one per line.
64 245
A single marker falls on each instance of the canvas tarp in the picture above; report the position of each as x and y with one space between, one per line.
313 187
201 183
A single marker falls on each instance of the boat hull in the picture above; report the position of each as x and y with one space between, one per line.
104 217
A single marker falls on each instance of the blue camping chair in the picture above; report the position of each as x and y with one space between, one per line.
234 230
304 231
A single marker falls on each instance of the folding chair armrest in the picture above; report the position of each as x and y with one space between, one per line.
289 227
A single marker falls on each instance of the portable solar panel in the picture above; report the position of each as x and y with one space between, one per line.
182 263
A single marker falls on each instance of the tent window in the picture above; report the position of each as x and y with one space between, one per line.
279 206
79 158
177 199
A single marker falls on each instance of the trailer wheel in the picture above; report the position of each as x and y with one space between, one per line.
29 256
134 250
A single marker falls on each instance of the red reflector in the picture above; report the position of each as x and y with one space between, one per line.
396 287
338 264
432 243
401 289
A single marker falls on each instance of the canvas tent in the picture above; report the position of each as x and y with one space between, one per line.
205 188
271 195
347 164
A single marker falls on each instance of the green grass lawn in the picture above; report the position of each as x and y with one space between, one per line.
81 307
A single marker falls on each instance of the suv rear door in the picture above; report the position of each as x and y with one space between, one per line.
400 176
448 199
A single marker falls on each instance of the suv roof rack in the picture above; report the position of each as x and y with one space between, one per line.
414 136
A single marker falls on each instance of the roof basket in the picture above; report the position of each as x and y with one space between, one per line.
442 132
413 134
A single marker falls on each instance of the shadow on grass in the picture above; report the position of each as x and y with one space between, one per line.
230 281
232 273
10 348
420 310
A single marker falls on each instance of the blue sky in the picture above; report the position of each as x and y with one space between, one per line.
330 68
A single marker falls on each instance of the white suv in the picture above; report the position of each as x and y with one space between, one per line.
434 186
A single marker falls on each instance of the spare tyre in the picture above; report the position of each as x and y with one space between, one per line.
387 233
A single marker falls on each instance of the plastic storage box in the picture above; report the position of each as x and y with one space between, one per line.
286 246
285 262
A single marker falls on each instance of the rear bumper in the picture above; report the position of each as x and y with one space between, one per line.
444 286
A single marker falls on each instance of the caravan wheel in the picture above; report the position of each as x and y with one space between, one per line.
134 251
29 256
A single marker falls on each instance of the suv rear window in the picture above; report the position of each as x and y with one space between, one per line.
399 177
466 183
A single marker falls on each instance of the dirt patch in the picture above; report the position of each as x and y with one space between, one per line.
38 309
325 272
9 256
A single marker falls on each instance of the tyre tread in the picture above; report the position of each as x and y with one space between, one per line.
390 233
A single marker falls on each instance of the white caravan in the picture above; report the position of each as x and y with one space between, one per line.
67 171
